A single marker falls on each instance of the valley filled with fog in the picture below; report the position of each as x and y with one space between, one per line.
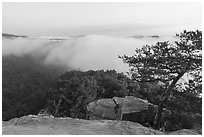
91 52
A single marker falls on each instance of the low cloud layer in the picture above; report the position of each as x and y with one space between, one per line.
92 52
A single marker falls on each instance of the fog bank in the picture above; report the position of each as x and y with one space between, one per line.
92 52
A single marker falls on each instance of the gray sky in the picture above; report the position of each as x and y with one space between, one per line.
37 19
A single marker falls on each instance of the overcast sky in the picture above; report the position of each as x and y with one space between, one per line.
37 19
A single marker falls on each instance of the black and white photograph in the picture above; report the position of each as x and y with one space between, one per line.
101 68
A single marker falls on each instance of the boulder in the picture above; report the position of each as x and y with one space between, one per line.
101 109
131 104
130 109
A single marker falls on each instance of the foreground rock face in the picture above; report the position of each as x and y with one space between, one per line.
132 109
184 132
48 125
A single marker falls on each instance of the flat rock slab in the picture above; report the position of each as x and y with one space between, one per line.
184 132
45 125
48 125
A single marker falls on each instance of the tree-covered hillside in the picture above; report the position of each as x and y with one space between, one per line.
22 80
72 91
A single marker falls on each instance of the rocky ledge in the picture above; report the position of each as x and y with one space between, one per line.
48 125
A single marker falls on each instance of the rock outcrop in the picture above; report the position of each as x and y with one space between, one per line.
183 132
48 125
130 109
